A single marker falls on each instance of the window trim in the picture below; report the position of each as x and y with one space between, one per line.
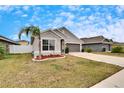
48 44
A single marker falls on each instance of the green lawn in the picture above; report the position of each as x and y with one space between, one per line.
111 54
20 71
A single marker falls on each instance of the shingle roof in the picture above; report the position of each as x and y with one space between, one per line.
58 32
7 40
97 39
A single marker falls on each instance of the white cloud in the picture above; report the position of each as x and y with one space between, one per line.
67 14
74 7
34 18
57 22
120 8
24 15
87 9
14 37
91 17
6 8
92 25
109 17
18 12
26 7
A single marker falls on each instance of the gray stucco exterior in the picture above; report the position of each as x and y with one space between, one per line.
49 35
97 47
97 43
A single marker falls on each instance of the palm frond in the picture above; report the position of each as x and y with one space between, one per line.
20 33
33 31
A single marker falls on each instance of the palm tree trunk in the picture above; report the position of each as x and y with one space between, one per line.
39 46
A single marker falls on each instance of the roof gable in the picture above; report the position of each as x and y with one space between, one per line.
48 33
71 38
65 34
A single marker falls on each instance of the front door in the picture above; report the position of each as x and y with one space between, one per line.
62 46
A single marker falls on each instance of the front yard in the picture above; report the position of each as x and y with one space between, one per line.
20 71
110 54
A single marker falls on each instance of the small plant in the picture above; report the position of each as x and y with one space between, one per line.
117 49
2 52
66 50
82 50
88 50
104 49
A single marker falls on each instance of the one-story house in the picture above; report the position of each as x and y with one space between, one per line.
97 44
54 41
5 42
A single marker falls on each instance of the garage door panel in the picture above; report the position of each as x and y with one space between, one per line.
74 47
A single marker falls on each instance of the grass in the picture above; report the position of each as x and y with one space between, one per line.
110 54
20 71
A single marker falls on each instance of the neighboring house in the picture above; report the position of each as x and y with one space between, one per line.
23 42
5 42
54 42
98 43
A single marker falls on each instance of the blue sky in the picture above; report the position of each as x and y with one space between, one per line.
83 21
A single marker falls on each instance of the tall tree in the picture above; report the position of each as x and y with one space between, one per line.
33 31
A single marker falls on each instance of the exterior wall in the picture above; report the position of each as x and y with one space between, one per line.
97 47
47 35
5 45
20 49
108 47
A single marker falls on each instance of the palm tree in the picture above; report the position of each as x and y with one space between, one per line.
33 31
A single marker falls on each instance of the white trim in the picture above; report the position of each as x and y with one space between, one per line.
48 49
80 47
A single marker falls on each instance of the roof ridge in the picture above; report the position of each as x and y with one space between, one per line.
94 37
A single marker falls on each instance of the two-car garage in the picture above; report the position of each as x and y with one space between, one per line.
73 47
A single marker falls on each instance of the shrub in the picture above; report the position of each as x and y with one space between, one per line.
88 50
2 52
66 50
104 49
117 49
82 50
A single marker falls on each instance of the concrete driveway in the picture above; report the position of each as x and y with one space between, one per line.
101 58
114 81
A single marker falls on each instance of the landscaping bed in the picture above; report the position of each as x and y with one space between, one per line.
69 72
46 57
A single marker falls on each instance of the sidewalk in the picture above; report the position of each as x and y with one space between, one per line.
114 81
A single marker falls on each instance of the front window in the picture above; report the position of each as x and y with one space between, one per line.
48 44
